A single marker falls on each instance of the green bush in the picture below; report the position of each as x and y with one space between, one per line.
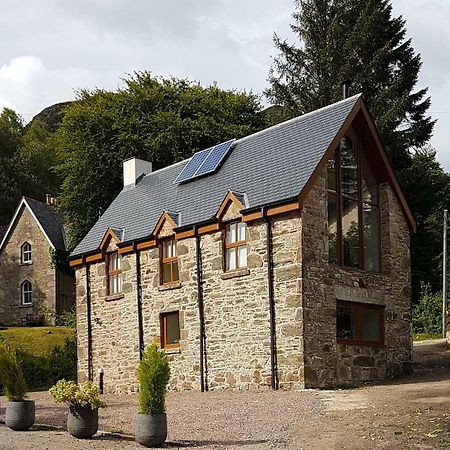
11 374
69 392
427 314
153 375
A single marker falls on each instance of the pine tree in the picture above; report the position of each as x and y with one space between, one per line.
357 41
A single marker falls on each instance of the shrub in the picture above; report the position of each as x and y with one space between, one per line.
69 392
11 374
427 314
153 375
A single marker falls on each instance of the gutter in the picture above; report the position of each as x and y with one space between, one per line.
139 301
89 321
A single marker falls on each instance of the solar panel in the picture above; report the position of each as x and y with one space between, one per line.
204 162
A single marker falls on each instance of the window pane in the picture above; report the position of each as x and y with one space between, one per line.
167 249
231 233
350 232
242 256
119 261
113 262
174 248
369 186
349 172
371 216
119 283
331 174
241 231
167 275
231 258
172 329
176 275
345 322
332 228
370 324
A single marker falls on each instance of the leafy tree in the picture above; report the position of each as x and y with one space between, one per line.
357 41
427 314
159 120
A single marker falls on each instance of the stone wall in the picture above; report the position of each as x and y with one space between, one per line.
13 272
328 364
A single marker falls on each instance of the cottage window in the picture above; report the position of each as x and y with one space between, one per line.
26 293
353 209
359 323
169 262
114 273
170 329
25 253
235 246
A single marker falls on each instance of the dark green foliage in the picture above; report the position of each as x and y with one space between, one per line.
427 314
153 375
11 375
158 120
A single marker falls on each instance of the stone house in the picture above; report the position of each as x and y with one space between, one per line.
29 280
280 260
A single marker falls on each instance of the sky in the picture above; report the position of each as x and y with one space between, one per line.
51 48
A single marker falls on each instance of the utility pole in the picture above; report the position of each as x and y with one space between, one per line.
444 278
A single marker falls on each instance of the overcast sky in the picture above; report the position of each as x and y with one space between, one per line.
49 48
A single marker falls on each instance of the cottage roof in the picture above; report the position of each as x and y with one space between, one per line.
49 221
270 166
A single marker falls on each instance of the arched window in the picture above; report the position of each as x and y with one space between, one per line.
26 253
26 293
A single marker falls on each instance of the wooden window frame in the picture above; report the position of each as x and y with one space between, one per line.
171 260
358 319
23 293
24 252
163 324
228 245
339 209
110 273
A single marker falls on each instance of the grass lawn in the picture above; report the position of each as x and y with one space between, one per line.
37 341
426 336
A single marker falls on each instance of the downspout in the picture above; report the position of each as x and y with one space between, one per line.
139 301
89 322
198 256
270 285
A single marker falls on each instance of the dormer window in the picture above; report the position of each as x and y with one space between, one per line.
114 273
169 262
25 253
235 246
26 293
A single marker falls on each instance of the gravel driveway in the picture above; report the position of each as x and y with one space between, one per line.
413 413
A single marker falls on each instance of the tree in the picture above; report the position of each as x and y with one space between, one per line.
159 120
357 41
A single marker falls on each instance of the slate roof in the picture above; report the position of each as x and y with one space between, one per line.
270 166
3 229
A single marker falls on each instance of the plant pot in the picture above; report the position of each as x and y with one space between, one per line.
151 429
20 415
82 421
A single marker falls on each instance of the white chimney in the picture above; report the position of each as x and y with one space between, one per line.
133 168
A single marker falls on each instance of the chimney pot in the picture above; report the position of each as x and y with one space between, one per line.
133 168
345 90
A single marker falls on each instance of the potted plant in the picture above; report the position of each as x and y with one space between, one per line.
20 413
83 401
153 375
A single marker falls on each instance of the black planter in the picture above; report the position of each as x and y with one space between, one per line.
82 421
151 429
20 415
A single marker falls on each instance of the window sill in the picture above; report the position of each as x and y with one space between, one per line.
172 351
112 297
26 263
350 269
359 343
235 274
30 305
170 286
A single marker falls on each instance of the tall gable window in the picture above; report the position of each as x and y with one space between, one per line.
169 262
353 209
25 253
114 273
26 293
235 246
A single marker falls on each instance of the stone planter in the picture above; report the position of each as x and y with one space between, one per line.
151 429
20 415
82 421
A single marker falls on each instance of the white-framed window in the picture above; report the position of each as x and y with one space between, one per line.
26 292
235 246
114 273
25 253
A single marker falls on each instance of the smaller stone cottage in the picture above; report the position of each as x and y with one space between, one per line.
278 260
30 280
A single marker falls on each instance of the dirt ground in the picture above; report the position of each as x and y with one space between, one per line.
411 413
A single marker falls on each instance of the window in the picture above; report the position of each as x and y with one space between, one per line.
25 253
170 329
353 209
235 246
114 273
169 262
359 323
26 293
